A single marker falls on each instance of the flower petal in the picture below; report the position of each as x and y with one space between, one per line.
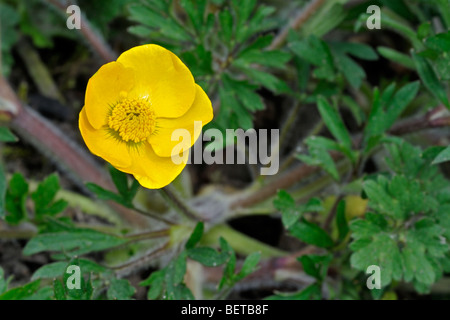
161 140
152 171
161 77
102 144
104 90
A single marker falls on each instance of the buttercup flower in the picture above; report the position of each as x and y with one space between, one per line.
133 105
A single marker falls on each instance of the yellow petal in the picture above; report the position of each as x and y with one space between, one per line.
104 90
161 139
162 77
102 144
152 171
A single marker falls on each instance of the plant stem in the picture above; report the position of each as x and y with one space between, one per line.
241 243
154 216
93 38
332 213
178 203
148 235
133 266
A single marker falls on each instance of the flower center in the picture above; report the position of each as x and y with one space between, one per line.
132 119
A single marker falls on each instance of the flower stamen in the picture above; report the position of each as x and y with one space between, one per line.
132 119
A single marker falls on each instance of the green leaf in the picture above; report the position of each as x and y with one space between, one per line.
380 199
245 92
320 157
350 69
3 283
160 22
382 251
439 42
386 109
267 80
316 265
316 52
44 195
401 100
243 10
286 204
51 270
341 220
230 104
397 57
290 212
312 292
311 233
173 278
355 108
443 156
120 180
228 277
7 136
104 194
156 282
430 79
273 58
57 269
250 265
76 241
195 236
15 199
2 192
334 123
226 25
195 10
58 290
120 289
416 265
356 49
207 256
21 293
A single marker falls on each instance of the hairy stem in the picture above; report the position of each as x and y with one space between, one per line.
94 39
179 204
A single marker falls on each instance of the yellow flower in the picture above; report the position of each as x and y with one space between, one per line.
133 105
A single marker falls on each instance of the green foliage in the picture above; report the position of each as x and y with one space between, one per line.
9 20
120 289
2 191
399 220
388 107
43 198
168 282
443 156
242 61
404 232
21 293
6 135
311 292
45 205
16 197
127 191
72 241
297 225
